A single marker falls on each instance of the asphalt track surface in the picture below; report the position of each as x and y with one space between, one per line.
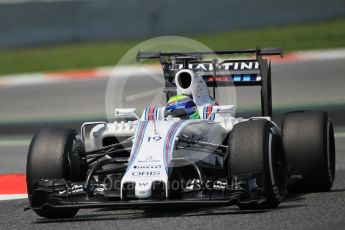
294 84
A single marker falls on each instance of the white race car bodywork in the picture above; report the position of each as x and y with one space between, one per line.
162 159
155 140
155 136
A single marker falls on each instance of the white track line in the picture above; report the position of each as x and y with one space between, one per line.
18 142
331 54
339 134
13 196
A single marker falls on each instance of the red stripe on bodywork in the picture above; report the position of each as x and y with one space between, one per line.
13 183
209 110
151 110
167 145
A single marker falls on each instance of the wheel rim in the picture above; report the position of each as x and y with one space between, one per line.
277 167
330 152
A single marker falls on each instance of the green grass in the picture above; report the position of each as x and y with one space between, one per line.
318 35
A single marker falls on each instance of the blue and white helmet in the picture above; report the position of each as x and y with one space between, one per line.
183 107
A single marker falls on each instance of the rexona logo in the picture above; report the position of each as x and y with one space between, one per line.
147 166
147 173
239 65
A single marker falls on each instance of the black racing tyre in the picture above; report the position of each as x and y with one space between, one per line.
308 138
54 153
255 146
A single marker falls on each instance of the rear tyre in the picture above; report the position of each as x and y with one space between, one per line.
308 138
54 153
255 147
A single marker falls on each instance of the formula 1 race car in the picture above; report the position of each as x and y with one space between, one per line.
162 159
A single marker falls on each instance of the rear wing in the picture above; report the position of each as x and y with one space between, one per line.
230 72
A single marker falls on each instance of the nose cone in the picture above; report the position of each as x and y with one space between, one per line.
143 190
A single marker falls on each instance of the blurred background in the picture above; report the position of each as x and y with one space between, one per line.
56 56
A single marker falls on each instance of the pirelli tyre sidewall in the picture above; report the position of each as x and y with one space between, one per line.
309 144
54 153
255 147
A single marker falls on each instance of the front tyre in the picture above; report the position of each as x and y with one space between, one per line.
54 153
255 147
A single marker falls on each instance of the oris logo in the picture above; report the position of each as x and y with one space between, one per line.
148 173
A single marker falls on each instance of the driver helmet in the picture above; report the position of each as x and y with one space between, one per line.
182 106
